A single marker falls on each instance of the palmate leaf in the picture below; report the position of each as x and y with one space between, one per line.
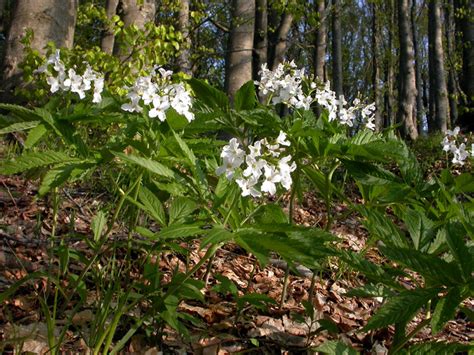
445 309
455 238
334 347
218 234
209 95
434 269
401 308
152 205
31 160
20 111
35 135
370 174
245 97
181 231
180 208
62 173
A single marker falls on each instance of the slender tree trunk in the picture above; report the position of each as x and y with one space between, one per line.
184 59
465 25
336 48
440 91
419 91
452 80
51 20
320 42
108 38
390 72
431 77
376 69
280 38
239 58
407 80
3 8
260 37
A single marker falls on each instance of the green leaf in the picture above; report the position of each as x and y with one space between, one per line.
60 174
98 224
181 231
150 165
20 111
420 227
35 135
436 347
225 286
370 174
334 347
210 96
152 205
432 268
32 160
401 308
187 152
246 97
19 126
381 227
455 238
445 309
271 214
180 208
218 234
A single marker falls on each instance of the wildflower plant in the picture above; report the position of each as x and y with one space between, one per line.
451 145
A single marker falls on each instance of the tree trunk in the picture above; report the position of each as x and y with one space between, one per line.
137 13
439 90
419 91
184 59
452 79
51 20
280 39
336 48
407 80
320 42
390 69
260 41
3 8
239 57
376 69
465 25
108 38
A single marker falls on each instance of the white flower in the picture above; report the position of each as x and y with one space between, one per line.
248 186
460 154
233 157
272 176
281 139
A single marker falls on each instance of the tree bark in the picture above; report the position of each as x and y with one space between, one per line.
239 57
452 76
184 58
465 25
407 81
376 69
390 69
320 42
260 41
137 13
419 91
281 39
439 90
108 38
336 49
51 20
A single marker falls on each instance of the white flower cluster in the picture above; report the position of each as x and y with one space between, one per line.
263 166
337 108
449 144
69 80
284 84
158 94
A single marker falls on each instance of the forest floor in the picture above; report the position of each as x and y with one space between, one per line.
25 227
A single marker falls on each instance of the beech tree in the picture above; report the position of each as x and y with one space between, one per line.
406 78
241 38
50 20
320 42
336 48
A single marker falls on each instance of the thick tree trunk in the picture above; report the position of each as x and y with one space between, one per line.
239 57
108 38
184 59
376 69
336 48
51 20
439 90
452 79
465 25
260 41
419 91
407 80
320 42
279 41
